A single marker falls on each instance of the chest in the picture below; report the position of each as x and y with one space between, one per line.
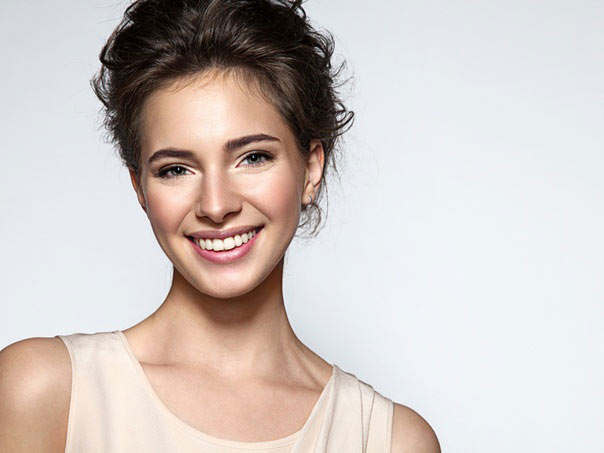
240 411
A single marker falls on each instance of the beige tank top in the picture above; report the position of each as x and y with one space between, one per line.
114 408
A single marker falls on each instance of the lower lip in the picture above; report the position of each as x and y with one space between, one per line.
225 256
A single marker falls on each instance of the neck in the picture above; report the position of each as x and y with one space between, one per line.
245 335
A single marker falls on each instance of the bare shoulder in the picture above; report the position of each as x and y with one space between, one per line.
411 433
35 389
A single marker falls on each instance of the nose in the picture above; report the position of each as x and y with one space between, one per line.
218 197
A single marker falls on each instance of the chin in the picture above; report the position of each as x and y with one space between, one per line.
227 288
226 292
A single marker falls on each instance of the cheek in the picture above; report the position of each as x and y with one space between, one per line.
279 196
166 209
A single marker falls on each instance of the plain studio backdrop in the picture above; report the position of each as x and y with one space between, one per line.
461 268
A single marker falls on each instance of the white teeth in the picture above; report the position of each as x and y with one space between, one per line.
226 243
218 244
229 243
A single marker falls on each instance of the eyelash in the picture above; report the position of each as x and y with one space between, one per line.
267 158
164 172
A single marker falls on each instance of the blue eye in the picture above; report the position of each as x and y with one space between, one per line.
171 172
257 158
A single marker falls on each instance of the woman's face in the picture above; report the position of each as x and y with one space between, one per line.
215 156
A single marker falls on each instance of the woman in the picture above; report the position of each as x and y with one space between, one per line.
226 115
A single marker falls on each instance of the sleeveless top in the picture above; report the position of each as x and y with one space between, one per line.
113 408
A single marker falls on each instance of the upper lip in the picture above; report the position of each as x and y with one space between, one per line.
213 234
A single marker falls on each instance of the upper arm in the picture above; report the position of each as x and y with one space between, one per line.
411 433
35 389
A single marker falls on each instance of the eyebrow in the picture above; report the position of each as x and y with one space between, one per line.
229 146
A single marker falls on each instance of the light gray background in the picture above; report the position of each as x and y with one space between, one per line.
461 269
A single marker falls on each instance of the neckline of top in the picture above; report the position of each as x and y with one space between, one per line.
281 442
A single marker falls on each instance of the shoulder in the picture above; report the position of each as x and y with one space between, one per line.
35 390
411 433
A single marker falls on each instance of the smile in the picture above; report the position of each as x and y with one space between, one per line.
227 243
225 250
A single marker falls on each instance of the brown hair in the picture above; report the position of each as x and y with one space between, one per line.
268 41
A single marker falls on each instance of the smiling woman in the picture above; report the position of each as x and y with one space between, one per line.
209 130
227 117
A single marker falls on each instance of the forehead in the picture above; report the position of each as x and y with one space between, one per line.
207 111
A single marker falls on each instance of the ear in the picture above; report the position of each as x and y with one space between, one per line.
139 192
314 170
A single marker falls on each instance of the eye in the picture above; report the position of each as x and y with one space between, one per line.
171 172
257 158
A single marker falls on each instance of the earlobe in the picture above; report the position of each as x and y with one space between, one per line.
137 189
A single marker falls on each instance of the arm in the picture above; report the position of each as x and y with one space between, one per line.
35 389
411 433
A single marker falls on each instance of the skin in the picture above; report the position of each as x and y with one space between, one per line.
221 325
